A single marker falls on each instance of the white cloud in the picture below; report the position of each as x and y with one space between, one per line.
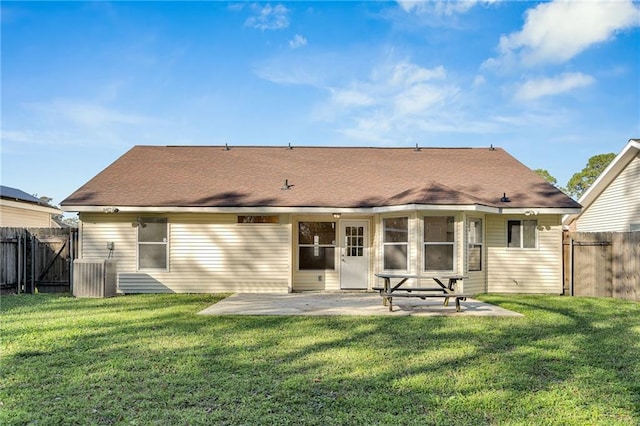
297 41
74 122
268 17
441 7
558 31
351 98
399 89
537 88
397 99
86 114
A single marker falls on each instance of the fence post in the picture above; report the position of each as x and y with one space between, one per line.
19 264
571 264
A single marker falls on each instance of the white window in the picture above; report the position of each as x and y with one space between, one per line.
474 244
439 243
522 233
152 243
395 243
316 246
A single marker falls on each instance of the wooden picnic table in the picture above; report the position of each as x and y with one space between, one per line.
446 291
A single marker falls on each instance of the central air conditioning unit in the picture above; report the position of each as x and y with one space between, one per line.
95 277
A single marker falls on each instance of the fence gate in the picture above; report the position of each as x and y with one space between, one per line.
592 266
603 264
37 259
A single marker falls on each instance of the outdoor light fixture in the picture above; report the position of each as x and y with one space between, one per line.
337 215
111 210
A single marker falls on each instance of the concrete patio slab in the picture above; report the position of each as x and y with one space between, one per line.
346 303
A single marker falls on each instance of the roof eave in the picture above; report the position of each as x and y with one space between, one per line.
322 210
30 206
628 153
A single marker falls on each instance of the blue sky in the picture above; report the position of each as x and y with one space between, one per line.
553 83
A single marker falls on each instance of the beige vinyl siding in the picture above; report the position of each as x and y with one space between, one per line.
618 205
207 254
511 270
11 216
96 230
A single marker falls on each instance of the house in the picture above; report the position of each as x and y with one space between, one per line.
21 210
612 202
205 219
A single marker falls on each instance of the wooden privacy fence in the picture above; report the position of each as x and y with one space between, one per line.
602 264
37 259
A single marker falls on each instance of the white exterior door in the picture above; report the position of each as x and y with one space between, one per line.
354 254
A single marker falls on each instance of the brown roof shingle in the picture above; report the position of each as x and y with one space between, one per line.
210 176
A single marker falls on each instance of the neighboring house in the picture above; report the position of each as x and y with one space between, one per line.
612 202
277 219
21 210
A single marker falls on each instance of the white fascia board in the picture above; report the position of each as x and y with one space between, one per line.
436 207
29 206
628 153
616 166
279 210
533 211
319 210
169 209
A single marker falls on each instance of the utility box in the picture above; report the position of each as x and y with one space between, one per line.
95 277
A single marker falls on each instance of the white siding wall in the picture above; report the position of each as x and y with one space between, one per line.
25 218
524 270
207 254
618 205
212 253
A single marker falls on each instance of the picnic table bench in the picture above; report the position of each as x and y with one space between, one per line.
446 291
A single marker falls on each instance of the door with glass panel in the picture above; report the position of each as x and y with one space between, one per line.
354 254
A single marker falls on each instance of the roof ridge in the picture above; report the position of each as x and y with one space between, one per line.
413 148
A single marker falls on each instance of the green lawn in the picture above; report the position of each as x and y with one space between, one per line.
150 360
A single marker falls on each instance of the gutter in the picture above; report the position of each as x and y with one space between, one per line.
529 211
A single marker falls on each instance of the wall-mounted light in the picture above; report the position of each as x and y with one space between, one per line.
337 215
110 209
530 213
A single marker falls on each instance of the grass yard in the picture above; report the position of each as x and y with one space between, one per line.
149 359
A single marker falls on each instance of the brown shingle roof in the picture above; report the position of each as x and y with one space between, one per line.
210 176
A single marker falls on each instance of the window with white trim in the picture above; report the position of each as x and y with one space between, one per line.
474 244
522 234
316 246
439 243
395 243
153 243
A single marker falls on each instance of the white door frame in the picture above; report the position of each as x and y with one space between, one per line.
354 269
